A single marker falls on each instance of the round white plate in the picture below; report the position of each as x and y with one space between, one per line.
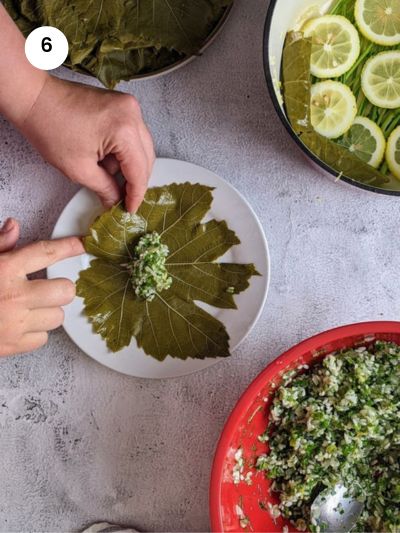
228 205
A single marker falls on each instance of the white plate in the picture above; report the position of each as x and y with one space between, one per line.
228 205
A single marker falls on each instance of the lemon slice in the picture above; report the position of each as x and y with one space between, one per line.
335 45
333 108
393 153
366 140
379 20
380 79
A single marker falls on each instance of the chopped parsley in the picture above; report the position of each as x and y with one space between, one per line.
339 422
148 271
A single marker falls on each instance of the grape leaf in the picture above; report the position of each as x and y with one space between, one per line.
117 39
171 324
297 84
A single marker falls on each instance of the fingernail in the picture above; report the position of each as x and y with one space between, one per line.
7 226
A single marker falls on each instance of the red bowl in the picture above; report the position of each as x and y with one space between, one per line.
248 420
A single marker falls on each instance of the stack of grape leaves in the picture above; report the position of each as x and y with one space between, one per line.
118 39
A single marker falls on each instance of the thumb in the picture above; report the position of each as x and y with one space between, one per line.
9 235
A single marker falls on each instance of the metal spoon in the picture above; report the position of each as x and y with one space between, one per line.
335 512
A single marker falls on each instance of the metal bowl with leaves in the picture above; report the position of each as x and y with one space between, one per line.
119 40
279 22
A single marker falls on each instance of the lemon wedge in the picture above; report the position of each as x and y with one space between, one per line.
335 45
380 79
366 140
333 108
379 20
393 153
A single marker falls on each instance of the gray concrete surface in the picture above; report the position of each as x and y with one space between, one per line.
79 442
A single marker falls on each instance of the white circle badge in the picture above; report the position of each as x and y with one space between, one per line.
46 48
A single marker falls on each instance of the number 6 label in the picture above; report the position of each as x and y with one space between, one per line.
46 44
46 48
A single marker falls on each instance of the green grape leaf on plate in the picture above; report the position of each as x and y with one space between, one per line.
296 90
172 323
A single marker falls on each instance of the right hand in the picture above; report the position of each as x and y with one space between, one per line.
31 308
90 135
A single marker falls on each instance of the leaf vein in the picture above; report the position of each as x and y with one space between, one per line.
187 321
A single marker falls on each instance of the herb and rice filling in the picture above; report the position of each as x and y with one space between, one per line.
338 422
148 270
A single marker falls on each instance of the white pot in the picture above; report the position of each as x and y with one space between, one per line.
283 16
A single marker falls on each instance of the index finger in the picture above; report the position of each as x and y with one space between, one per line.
135 169
42 254
135 155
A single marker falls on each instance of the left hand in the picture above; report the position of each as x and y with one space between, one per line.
90 134
29 309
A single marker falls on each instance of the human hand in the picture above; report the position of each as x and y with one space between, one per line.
29 309
90 134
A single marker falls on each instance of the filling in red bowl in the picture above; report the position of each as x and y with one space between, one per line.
241 498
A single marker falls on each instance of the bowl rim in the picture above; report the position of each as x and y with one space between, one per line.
247 398
285 122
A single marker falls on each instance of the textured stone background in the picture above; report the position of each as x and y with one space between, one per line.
79 442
